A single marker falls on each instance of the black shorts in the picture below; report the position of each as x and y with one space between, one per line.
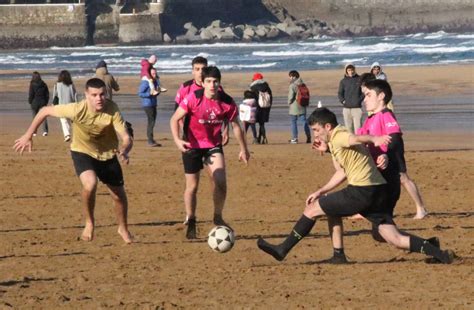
109 171
369 201
194 159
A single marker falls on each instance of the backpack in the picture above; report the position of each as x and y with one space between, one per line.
303 95
264 99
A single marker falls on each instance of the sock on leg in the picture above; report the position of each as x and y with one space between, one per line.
300 230
423 246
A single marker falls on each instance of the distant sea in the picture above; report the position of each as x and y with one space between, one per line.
312 54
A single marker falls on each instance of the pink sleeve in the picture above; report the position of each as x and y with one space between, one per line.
179 95
145 68
362 130
232 112
390 124
187 103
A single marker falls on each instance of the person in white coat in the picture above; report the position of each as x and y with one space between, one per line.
65 92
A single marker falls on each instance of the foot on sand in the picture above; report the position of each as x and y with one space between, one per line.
88 233
273 250
357 217
420 215
126 235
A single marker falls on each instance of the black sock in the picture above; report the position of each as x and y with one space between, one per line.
423 246
301 230
339 252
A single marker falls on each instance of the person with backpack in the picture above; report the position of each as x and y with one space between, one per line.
265 99
298 100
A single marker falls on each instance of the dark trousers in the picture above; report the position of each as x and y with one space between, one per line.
151 116
35 109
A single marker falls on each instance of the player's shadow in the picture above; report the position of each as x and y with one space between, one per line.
44 255
25 280
164 223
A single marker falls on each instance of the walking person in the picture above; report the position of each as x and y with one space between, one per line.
65 92
250 103
264 104
297 111
111 83
38 98
350 96
149 98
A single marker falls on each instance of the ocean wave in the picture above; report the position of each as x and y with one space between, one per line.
444 50
236 66
436 35
464 36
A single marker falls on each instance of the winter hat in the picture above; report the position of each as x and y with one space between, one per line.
257 76
101 64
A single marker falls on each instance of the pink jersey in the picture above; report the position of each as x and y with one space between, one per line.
379 124
185 89
145 71
205 118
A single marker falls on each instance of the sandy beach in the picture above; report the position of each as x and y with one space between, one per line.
44 266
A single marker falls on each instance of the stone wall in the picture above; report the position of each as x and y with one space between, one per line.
38 26
140 28
402 16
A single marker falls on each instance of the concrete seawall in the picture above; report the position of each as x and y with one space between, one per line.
43 25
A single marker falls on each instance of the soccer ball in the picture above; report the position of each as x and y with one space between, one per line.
221 239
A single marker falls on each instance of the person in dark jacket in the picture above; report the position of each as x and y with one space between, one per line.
38 98
111 83
263 114
350 95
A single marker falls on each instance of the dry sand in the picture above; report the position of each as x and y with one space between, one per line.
42 265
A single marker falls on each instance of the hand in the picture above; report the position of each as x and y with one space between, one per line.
382 140
225 137
319 145
22 143
382 161
244 156
124 158
182 145
312 197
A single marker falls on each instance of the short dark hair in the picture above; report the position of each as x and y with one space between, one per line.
294 73
65 77
322 116
199 60
248 94
365 77
380 86
95 83
351 66
36 76
210 72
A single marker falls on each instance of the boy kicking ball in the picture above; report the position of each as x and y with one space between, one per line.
365 194
205 111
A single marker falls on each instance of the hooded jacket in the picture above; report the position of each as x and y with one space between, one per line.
295 108
110 83
349 93
38 94
381 75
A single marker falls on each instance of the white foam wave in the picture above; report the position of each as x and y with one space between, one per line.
436 35
464 36
444 50
326 43
323 62
267 65
79 54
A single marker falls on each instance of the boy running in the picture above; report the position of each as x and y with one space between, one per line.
206 110
96 123
365 193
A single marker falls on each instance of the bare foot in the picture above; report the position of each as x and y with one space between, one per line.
88 233
357 217
126 235
420 215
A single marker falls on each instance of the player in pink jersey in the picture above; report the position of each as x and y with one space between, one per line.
194 84
205 111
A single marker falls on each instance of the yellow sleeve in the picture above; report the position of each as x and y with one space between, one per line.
118 122
66 110
341 139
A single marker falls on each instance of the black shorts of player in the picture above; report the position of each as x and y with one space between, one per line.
194 159
369 201
108 171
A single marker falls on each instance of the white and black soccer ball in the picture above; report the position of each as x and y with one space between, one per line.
221 239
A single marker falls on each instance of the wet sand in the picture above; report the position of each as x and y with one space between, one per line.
44 266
